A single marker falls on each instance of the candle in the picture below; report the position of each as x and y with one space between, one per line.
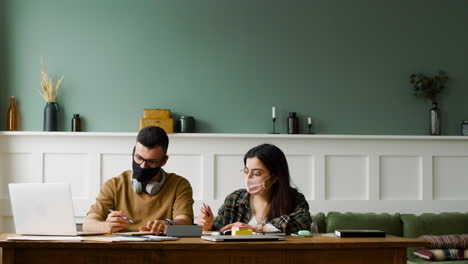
309 120
273 112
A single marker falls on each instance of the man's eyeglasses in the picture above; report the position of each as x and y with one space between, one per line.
152 163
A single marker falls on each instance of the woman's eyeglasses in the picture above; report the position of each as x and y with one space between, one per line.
256 172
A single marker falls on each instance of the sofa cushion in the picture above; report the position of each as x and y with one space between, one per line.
319 224
391 224
447 241
434 224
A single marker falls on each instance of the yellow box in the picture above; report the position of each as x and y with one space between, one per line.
157 113
247 232
166 124
241 231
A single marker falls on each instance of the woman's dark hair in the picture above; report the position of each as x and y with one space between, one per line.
283 198
152 137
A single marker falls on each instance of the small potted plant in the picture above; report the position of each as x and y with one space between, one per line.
429 88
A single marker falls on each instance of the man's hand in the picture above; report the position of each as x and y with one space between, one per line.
115 222
157 227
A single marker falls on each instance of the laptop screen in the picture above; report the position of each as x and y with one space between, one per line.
42 208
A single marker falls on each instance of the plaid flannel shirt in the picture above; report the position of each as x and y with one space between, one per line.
236 208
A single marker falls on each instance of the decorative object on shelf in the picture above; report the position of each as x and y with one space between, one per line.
429 88
464 128
273 118
435 120
49 93
50 116
76 123
158 117
309 125
186 124
293 123
12 120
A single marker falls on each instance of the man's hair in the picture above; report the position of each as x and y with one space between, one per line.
152 137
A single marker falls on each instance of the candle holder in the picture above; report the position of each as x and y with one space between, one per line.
274 121
309 128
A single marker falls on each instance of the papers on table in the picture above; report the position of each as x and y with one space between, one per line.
138 233
150 238
133 238
46 238
328 234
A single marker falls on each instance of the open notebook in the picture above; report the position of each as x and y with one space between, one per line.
44 209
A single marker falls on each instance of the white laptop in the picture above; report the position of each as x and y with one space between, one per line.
44 209
224 238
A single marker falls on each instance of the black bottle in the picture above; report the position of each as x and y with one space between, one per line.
76 123
464 128
293 123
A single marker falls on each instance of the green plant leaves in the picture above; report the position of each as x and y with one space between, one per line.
428 87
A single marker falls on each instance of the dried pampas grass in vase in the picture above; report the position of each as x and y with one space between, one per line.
49 93
49 90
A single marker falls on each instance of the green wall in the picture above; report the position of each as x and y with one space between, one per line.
4 91
344 63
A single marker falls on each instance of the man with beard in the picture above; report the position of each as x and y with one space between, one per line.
145 198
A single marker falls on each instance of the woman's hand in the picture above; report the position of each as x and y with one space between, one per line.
206 218
254 228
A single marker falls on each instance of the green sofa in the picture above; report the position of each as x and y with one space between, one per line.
403 225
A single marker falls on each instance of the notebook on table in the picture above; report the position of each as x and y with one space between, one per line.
243 238
359 233
44 209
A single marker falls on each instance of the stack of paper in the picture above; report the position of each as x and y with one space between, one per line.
46 238
132 238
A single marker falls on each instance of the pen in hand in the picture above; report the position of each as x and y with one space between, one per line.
126 218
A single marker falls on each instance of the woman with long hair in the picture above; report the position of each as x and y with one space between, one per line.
268 203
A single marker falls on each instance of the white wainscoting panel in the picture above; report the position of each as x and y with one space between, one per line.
15 167
112 165
228 176
400 177
69 168
301 169
406 174
450 177
190 167
346 177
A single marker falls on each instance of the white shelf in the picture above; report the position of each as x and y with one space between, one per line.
228 135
